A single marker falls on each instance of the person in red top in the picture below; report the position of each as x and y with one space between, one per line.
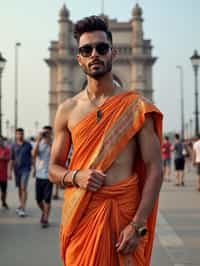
166 157
4 159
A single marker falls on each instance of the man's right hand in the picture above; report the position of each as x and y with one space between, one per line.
90 180
39 136
9 176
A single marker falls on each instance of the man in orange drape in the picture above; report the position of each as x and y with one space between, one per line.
114 177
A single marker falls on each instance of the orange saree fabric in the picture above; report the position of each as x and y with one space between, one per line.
91 222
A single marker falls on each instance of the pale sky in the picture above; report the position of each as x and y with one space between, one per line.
172 25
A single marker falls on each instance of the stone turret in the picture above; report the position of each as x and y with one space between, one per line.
64 29
60 64
64 88
142 60
137 28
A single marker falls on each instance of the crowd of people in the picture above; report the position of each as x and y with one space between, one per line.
185 154
21 160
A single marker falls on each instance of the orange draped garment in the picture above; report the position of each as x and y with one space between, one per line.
91 222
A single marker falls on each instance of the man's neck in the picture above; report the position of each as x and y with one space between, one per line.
103 87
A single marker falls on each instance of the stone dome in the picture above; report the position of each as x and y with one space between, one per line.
64 12
137 11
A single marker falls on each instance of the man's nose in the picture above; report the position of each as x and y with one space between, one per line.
94 52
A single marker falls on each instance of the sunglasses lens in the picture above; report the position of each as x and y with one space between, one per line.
102 48
86 50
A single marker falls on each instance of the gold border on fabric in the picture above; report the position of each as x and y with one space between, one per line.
71 204
117 130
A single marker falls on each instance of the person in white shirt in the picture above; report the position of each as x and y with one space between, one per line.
196 160
41 153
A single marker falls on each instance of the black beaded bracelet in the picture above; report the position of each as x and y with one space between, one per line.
63 179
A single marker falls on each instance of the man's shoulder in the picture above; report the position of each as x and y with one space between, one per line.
14 146
27 144
4 150
69 104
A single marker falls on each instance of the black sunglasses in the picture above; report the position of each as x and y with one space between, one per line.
102 48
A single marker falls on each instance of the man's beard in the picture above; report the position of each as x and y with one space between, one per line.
100 71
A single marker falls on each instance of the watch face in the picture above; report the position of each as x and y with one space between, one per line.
142 231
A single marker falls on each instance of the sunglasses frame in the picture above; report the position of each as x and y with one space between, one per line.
92 46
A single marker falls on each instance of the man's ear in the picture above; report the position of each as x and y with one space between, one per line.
114 53
78 58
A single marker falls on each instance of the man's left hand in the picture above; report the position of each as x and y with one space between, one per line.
128 240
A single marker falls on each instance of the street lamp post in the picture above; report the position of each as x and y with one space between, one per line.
7 128
182 101
36 127
191 128
17 44
195 59
2 65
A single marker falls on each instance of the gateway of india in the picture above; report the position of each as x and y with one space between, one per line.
132 68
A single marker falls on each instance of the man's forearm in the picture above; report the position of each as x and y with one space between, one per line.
57 172
10 167
35 150
149 195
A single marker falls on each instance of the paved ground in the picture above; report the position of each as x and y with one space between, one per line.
24 243
178 229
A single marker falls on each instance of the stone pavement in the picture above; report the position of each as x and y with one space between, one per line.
178 229
24 243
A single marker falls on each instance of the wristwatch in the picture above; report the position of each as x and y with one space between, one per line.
140 230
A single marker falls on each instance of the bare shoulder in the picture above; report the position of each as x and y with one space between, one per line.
63 113
66 108
148 124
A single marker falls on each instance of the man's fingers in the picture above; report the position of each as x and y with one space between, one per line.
130 247
98 174
96 181
93 187
119 240
122 244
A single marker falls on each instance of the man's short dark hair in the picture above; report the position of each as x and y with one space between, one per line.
19 129
47 128
177 136
166 138
90 24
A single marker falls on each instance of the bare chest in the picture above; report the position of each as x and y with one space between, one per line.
123 165
79 113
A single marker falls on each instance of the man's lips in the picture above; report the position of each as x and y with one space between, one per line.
96 63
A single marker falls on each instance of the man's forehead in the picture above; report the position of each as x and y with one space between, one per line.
93 37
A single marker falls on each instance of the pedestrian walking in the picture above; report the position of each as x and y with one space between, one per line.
179 160
21 161
4 159
166 158
43 187
196 160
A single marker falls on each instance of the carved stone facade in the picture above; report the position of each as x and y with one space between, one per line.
132 67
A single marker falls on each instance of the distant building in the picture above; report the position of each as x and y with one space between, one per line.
132 68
